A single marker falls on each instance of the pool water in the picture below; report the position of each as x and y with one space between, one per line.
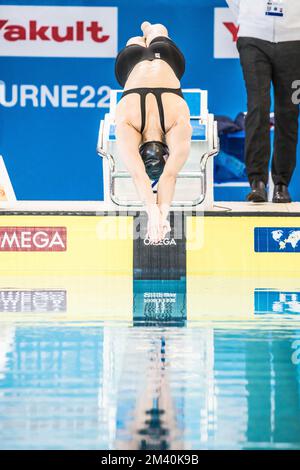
115 343
116 385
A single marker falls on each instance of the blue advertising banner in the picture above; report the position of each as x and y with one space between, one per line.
277 240
57 70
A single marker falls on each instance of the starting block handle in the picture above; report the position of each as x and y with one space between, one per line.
108 156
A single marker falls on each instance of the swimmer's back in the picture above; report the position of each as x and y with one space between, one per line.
128 109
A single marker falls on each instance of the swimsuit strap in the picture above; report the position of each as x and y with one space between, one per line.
157 92
143 110
157 95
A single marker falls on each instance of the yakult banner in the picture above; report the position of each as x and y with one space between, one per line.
45 31
225 34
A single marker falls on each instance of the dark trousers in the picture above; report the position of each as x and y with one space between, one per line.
264 63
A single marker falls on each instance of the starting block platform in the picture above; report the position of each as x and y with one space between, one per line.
197 173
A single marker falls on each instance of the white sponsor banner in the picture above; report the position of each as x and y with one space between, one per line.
226 30
43 31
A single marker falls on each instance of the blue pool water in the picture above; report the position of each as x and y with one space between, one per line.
118 386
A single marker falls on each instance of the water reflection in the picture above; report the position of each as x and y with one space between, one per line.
275 301
156 380
273 389
106 386
159 302
33 300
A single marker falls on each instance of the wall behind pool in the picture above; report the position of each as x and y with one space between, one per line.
49 149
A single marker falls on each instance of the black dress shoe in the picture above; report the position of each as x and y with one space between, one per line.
258 192
281 194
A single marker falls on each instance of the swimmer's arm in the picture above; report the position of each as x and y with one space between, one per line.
178 139
234 6
144 188
128 141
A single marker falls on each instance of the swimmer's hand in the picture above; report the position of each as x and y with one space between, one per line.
164 227
158 225
154 224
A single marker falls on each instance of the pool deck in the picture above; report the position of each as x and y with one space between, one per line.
82 207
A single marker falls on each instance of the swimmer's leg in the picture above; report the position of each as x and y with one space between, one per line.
152 31
178 139
128 141
137 40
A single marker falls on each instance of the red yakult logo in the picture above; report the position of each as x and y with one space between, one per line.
226 34
33 239
233 29
33 31
58 31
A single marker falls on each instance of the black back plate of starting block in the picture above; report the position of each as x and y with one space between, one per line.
159 275
163 261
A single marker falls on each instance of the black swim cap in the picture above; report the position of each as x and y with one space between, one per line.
154 155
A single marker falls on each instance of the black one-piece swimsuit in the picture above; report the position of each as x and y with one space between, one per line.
160 48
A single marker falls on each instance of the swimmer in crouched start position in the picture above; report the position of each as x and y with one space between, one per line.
152 120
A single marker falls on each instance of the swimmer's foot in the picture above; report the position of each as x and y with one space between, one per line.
145 27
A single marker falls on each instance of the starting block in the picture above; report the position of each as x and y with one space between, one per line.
197 174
